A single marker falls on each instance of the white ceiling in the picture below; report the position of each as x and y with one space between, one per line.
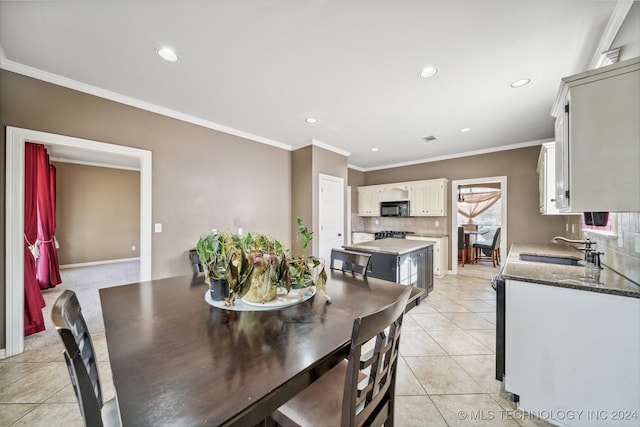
259 68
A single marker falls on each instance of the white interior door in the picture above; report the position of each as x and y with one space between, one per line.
331 214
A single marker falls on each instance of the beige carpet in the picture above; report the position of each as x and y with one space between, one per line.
85 282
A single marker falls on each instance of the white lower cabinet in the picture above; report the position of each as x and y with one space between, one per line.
573 353
440 253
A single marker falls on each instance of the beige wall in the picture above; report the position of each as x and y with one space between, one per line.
97 213
307 164
301 191
202 179
524 221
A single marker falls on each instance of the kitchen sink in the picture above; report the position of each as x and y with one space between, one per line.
549 259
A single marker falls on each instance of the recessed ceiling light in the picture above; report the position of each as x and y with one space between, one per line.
311 120
167 54
375 149
520 83
464 130
427 72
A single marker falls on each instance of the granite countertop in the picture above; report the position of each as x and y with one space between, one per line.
389 246
565 276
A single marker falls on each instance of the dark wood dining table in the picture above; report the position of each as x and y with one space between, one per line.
177 360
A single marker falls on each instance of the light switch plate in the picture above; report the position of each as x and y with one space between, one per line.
157 227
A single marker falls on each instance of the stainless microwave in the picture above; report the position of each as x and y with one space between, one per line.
399 208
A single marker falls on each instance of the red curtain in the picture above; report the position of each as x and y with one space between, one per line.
47 269
33 300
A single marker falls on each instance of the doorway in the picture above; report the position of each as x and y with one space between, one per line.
94 151
331 214
502 181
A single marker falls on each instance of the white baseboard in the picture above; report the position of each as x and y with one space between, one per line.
3 353
89 264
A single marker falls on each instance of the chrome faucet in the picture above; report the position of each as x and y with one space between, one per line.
591 256
587 242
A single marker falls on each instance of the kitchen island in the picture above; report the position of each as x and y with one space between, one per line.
571 338
409 262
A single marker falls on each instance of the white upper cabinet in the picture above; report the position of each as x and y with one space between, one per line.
428 198
598 140
547 179
369 200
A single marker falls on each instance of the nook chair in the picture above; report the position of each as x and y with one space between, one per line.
360 390
488 251
462 247
355 262
80 357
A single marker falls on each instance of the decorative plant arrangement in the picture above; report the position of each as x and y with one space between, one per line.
256 265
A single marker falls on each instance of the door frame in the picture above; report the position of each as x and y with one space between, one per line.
502 180
339 180
14 221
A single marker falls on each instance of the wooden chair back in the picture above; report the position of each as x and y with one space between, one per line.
370 401
80 356
355 262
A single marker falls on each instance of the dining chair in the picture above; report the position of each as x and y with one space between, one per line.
195 262
488 250
360 390
80 356
462 247
355 262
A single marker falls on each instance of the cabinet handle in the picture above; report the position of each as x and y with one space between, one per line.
552 200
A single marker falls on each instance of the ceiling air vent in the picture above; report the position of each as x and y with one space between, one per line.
429 138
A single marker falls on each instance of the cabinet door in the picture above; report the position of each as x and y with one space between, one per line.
418 199
547 181
369 201
404 272
428 198
561 161
435 199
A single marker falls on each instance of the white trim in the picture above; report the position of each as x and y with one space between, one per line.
324 145
454 214
616 20
96 164
14 249
14 221
458 155
93 263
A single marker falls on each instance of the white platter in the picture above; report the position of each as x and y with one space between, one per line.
296 296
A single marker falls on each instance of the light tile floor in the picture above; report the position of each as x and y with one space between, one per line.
445 374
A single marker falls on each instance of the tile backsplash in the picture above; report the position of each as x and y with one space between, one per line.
622 249
422 225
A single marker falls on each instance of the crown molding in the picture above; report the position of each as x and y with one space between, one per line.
620 12
458 155
324 145
38 74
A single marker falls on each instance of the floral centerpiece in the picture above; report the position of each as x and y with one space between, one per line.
256 266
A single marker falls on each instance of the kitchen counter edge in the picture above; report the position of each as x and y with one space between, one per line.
574 277
389 246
